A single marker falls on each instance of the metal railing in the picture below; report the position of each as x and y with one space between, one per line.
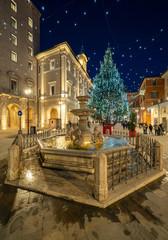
32 139
129 163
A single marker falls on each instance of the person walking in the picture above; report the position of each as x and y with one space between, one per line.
156 129
145 127
150 129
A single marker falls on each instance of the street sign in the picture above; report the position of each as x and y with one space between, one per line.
20 113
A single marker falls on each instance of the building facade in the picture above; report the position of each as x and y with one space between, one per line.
134 103
159 114
62 77
151 91
159 111
19 42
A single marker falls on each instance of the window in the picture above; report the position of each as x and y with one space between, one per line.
74 72
143 97
13 22
68 65
13 84
39 69
30 51
133 104
14 39
80 79
30 22
30 37
30 65
75 93
13 5
52 90
163 109
167 81
154 94
14 56
52 64
154 82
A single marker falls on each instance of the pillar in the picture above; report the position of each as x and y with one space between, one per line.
100 178
63 74
159 156
13 163
42 96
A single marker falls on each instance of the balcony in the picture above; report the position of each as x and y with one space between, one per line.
14 93
10 91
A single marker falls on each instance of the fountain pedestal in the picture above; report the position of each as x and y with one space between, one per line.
83 114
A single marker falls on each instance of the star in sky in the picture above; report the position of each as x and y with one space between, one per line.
138 44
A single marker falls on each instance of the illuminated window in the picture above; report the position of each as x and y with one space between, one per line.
13 84
30 51
14 56
30 22
13 22
30 37
30 65
14 39
52 64
68 65
13 5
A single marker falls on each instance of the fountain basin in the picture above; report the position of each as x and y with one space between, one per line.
61 156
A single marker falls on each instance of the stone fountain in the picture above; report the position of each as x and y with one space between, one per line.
77 149
83 114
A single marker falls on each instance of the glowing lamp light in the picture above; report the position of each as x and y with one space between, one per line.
42 98
29 176
28 91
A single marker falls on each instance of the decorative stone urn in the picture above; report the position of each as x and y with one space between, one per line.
83 114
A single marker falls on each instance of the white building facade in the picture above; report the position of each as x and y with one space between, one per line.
62 77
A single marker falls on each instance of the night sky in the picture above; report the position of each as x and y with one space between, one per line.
137 31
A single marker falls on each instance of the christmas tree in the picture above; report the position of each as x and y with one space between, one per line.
108 94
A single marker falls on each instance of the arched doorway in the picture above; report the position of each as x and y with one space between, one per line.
54 113
12 116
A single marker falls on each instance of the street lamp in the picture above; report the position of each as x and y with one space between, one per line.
28 92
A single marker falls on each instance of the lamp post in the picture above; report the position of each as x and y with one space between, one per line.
28 92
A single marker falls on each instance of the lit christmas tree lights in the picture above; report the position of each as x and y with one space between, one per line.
108 94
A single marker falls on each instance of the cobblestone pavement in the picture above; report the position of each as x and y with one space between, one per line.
33 216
